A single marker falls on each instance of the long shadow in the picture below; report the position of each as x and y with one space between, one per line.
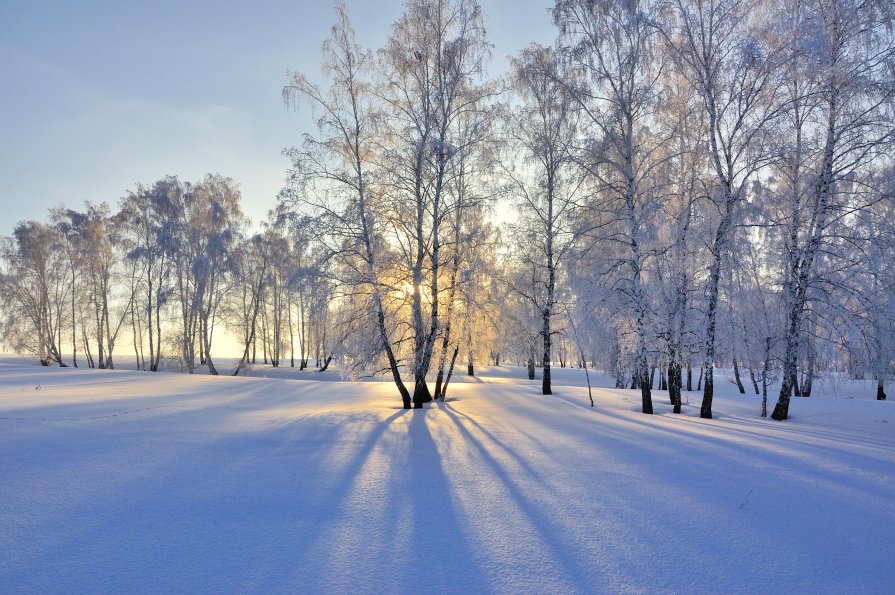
504 447
759 456
628 440
784 435
254 510
539 519
445 558
208 508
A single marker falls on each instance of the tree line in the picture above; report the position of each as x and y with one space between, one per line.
672 185
692 180
172 265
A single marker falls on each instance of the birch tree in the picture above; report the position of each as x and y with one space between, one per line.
431 66
719 45
34 289
148 241
542 130
334 176
98 241
214 228
839 121
612 48
250 266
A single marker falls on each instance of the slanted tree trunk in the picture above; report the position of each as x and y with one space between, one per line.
708 367
87 353
257 291
442 360
736 376
448 326
801 267
450 372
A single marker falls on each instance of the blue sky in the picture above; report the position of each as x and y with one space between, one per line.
99 95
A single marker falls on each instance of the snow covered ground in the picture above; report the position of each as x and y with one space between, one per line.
118 481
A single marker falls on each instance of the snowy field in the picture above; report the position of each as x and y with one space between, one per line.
133 482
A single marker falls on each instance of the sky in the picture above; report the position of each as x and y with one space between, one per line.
99 95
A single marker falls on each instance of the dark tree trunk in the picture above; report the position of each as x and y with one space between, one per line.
736 376
699 382
880 393
646 397
689 377
754 381
450 372
781 409
439 381
325 365
421 393
531 369
808 372
674 385
442 359
546 388
663 380
708 392
619 380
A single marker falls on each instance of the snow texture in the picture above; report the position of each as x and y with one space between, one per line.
116 481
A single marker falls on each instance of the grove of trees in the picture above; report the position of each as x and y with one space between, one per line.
673 186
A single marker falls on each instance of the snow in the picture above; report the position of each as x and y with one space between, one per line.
121 481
